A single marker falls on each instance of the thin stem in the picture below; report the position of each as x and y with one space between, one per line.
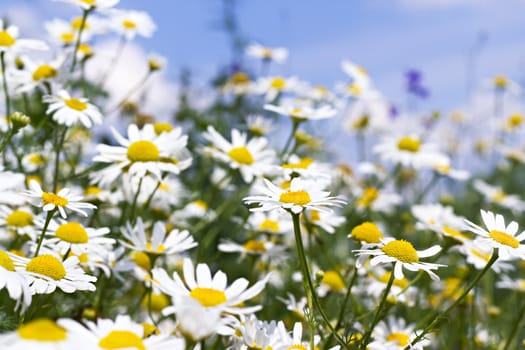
135 199
7 139
59 141
150 198
4 82
295 126
379 310
309 286
85 14
438 316
44 229
515 327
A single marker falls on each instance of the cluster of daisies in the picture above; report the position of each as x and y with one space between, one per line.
224 228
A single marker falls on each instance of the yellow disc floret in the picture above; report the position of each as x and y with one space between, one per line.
162 127
504 238
51 198
47 265
142 260
129 24
42 330
241 155
333 280
401 250
409 144
121 340
208 296
304 163
368 197
367 232
72 232
44 71
6 39
400 338
278 83
76 104
19 218
143 151
295 197
255 246
76 23
6 262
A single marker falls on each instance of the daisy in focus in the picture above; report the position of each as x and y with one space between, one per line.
300 195
277 54
499 236
395 334
60 201
67 110
252 158
402 254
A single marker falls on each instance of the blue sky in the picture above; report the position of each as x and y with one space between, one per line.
385 36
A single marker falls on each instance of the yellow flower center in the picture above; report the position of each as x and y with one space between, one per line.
304 163
85 49
278 83
142 260
42 330
354 89
127 24
401 250
266 53
255 246
92 190
269 225
369 195
19 218
72 232
51 198
6 39
83 258
498 196
201 204
454 233
6 262
400 338
143 151
500 81
333 281
297 347
89 2
240 78
159 250
44 71
402 283
158 301
367 232
361 123
121 340
162 127
409 144
36 159
504 238
480 255
76 104
208 296
515 120
149 329
315 215
241 155
295 197
67 38
76 23
47 265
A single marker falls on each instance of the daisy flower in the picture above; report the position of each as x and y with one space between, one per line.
20 221
265 249
60 201
160 242
305 167
45 273
495 194
328 221
9 41
300 195
239 83
499 236
375 200
395 334
252 157
402 253
506 282
252 333
209 291
272 87
368 114
401 291
360 81
42 334
294 341
37 74
478 255
67 110
15 283
304 112
367 232
274 222
130 23
440 219
277 54
143 152
259 125
33 161
92 4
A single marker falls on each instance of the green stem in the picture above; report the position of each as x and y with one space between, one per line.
46 224
438 316
7 139
379 310
150 198
309 286
85 14
135 199
4 82
295 126
515 327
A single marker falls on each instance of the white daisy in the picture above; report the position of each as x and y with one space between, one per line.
274 222
92 4
259 125
253 333
47 272
60 201
9 41
67 110
272 87
303 112
265 249
440 219
252 157
402 254
277 54
129 23
499 236
160 241
209 291
478 255
15 283
496 194
20 221
328 221
143 152
360 81
395 334
300 195
37 73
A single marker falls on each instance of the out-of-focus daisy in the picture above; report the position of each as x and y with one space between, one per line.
304 112
130 23
209 291
513 122
15 283
239 83
374 199
272 87
495 194
33 161
331 282
67 110
258 125
400 291
295 340
502 83
9 41
37 74
360 81
160 241
328 221
499 236
299 196
396 334
294 305
92 4
478 255
367 232
305 167
402 253
143 152
369 114
11 188
42 334
45 273
440 219
265 249
156 62
252 157
19 221
271 222
276 54
60 201
506 282
254 333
